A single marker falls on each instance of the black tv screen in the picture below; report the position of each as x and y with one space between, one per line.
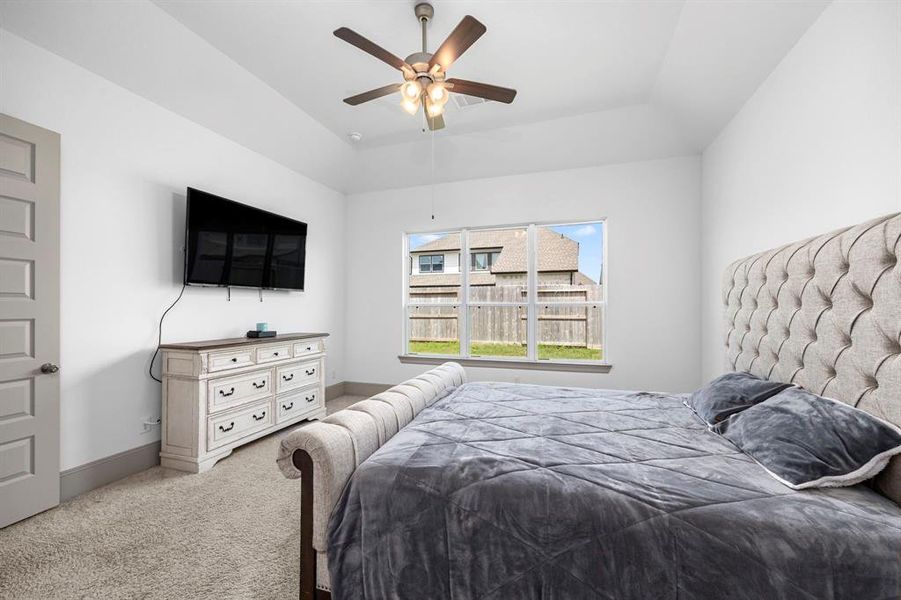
232 244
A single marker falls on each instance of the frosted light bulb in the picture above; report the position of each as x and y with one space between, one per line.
411 106
411 89
433 109
437 93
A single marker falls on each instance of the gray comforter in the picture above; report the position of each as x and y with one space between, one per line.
502 491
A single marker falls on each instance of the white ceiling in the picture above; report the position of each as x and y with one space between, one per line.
598 81
563 58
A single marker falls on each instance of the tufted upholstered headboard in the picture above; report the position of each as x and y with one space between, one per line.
825 314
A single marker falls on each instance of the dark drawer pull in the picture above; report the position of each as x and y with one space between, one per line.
310 398
260 385
309 348
226 429
228 393
286 378
260 418
275 354
235 359
287 406
309 371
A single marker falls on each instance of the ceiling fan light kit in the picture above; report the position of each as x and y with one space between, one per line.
411 105
425 74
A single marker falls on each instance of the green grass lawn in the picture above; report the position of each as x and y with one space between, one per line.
549 351
486 349
545 351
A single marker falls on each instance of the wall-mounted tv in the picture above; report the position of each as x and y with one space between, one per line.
230 244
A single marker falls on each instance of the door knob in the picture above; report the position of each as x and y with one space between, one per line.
49 368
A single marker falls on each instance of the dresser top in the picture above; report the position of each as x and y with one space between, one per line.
241 341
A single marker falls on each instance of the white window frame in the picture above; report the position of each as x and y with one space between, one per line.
463 306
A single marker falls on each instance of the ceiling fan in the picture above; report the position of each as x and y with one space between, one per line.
425 74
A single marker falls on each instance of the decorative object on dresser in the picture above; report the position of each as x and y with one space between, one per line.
220 394
262 331
254 334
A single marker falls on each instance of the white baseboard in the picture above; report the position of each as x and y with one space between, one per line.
84 478
356 388
334 390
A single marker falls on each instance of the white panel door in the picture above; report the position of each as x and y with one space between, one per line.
29 319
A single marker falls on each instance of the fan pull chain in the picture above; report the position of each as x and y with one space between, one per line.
433 175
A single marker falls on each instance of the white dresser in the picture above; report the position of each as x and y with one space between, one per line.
220 394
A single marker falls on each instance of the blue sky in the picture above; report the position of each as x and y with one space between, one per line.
419 239
589 235
591 246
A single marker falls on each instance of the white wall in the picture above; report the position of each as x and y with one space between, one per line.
817 147
653 273
139 46
125 165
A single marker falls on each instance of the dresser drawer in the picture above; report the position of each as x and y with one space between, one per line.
291 377
231 391
297 403
308 347
272 353
220 361
228 427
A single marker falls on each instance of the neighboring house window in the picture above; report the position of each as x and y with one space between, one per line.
482 261
532 293
433 263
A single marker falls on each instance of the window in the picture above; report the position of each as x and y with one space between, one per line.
431 263
532 293
483 261
432 307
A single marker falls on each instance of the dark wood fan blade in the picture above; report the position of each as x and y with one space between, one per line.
483 90
373 94
436 123
461 38
355 39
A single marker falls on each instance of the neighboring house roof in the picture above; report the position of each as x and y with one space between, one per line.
478 239
450 241
580 278
556 251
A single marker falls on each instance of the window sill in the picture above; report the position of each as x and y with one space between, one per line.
504 363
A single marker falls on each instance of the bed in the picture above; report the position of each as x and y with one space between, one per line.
441 488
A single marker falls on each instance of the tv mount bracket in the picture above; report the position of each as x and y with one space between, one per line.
228 293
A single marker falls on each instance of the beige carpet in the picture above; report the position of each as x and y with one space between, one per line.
233 532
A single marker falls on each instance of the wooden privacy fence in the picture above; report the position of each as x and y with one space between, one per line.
558 324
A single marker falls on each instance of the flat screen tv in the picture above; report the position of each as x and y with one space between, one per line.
230 244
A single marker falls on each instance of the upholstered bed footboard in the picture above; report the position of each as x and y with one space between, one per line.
325 454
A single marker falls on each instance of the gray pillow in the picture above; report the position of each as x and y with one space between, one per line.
731 393
805 440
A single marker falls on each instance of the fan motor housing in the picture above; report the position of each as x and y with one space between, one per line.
419 60
420 63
